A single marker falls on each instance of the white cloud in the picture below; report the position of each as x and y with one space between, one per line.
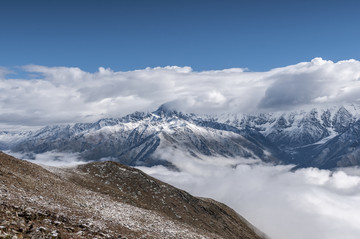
3 72
67 94
51 158
308 203
317 81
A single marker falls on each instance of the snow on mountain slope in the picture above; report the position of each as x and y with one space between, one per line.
290 128
134 139
304 133
9 138
340 151
153 138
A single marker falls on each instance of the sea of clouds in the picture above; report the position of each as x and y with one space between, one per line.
51 158
307 203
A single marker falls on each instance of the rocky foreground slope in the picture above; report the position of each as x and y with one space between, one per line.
105 200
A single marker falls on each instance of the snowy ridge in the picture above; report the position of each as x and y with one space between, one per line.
134 139
147 138
330 120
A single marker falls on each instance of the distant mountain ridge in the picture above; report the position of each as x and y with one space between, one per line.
318 137
308 137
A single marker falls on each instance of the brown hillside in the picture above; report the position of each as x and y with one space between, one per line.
105 200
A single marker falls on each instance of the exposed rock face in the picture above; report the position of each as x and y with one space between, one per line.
105 200
341 151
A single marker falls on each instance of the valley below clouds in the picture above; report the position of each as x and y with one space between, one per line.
306 203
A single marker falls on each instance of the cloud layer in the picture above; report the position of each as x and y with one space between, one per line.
308 203
48 95
51 158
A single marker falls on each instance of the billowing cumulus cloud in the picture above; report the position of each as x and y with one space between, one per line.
313 83
308 203
49 95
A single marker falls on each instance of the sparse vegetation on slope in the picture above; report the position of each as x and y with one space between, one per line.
105 200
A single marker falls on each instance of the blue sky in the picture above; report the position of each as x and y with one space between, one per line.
132 34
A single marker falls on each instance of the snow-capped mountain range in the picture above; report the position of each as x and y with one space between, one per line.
324 137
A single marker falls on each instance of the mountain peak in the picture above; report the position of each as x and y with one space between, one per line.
166 110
